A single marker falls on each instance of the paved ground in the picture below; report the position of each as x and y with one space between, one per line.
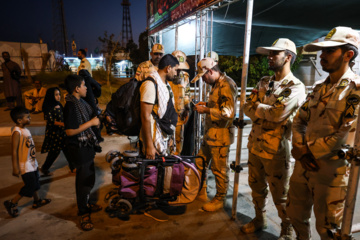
58 220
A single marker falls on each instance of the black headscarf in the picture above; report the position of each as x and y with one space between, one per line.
49 102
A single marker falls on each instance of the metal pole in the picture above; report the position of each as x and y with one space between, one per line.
201 40
176 36
149 45
211 29
160 37
247 37
196 115
352 187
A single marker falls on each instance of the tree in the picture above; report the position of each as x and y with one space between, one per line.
258 67
141 53
110 47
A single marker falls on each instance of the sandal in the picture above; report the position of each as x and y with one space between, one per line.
11 208
85 222
95 207
40 203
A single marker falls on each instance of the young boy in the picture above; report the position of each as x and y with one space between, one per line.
81 143
24 162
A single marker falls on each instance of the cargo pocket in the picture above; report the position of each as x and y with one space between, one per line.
335 200
270 143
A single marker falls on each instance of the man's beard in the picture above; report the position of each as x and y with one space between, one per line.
335 66
169 78
176 80
278 66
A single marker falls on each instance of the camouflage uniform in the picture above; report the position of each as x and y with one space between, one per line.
182 103
144 69
219 132
84 64
269 139
324 122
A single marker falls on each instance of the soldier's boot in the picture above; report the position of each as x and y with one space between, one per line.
215 204
256 224
202 195
287 231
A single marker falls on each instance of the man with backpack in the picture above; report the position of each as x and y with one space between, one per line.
145 68
157 112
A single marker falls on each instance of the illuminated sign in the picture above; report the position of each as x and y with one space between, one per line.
162 13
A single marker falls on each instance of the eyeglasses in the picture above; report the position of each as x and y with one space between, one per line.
158 54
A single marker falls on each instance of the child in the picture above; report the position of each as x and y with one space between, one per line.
24 162
81 143
55 134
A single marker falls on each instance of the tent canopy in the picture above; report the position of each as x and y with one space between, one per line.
301 21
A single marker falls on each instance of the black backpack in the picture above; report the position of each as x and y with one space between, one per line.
124 108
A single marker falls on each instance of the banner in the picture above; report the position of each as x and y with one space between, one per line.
163 13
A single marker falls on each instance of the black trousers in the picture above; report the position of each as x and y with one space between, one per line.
83 158
53 155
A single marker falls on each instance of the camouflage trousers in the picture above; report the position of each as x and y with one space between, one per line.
270 173
179 138
219 166
308 190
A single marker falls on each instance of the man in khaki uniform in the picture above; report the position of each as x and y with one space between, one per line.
219 130
147 67
271 107
181 89
84 64
325 122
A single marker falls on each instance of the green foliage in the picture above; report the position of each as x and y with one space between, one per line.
111 46
51 79
258 67
100 75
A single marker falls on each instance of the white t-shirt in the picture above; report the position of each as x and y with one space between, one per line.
148 95
26 151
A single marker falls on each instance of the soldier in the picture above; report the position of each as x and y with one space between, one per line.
325 122
219 130
272 106
145 68
181 89
84 64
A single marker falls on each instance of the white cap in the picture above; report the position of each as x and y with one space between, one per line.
336 37
181 57
203 66
158 48
280 44
213 55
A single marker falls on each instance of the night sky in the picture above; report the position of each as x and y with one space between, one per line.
86 20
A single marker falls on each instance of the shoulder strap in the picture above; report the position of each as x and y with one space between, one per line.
152 80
